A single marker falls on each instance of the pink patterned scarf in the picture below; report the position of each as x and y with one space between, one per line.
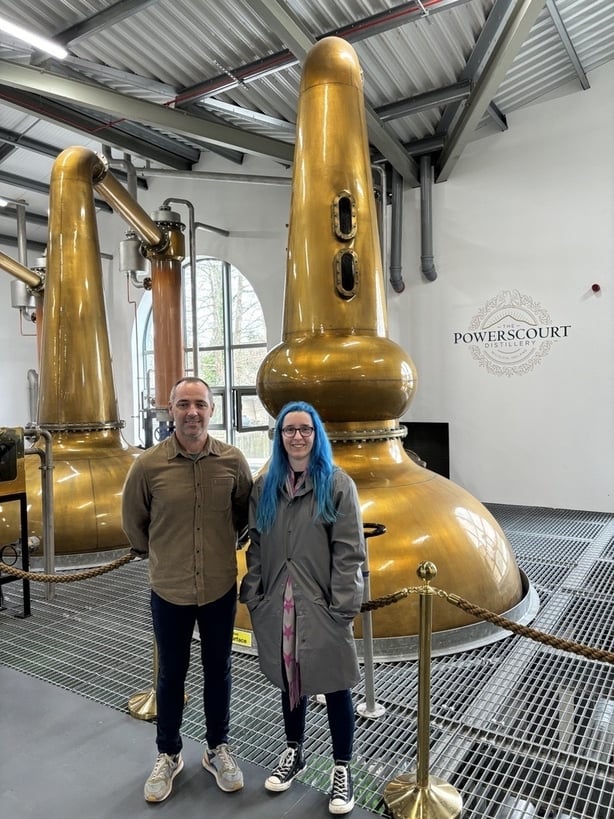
289 644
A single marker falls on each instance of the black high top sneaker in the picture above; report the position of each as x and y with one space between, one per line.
290 764
342 789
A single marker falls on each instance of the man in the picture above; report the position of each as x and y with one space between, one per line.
184 504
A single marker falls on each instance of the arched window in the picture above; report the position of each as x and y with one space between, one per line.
231 337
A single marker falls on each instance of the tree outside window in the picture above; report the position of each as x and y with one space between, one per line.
231 335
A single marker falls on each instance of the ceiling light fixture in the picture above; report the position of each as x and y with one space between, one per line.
37 41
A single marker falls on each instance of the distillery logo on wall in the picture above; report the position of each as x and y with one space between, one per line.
511 334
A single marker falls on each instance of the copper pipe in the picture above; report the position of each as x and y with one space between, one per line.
120 200
24 274
168 336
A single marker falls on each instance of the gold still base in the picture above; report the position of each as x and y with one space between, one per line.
406 800
143 705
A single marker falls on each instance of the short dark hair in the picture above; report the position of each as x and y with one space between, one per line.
190 379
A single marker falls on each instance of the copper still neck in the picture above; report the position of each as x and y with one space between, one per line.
76 377
335 351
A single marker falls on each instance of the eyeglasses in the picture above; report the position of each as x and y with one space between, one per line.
290 432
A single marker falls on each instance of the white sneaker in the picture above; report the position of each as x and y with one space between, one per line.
160 781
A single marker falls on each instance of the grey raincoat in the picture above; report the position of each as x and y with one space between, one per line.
325 562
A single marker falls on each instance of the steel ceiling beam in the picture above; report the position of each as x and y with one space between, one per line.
483 46
29 144
131 109
84 67
33 218
102 20
568 45
11 241
291 31
248 115
124 136
40 187
281 60
514 33
424 102
17 140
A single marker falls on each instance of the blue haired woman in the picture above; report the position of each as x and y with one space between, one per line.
303 588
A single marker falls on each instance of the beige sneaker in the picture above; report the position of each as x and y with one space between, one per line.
220 763
160 781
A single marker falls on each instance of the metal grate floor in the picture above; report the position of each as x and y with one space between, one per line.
519 728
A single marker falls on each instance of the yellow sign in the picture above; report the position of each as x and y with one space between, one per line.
242 638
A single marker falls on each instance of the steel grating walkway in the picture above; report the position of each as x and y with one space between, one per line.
519 728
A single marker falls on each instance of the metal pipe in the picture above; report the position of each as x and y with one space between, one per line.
47 506
370 708
32 379
426 218
22 242
212 228
212 176
20 272
193 291
131 180
228 359
383 233
396 233
126 165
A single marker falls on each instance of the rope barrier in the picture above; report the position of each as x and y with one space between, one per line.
389 599
525 631
478 612
68 577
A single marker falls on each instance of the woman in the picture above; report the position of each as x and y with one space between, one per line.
303 588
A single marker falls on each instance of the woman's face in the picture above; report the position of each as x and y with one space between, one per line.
297 437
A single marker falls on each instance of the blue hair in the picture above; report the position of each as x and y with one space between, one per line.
320 470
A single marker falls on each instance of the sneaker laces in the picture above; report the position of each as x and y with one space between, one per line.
340 789
163 761
227 762
286 761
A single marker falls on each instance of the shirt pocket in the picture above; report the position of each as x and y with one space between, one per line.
218 494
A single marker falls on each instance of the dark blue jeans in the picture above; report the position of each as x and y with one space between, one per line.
173 629
340 711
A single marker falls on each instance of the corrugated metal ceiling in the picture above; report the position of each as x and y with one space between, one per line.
237 64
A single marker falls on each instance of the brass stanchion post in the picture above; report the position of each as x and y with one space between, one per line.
142 705
423 796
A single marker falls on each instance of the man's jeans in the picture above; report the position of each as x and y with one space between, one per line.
173 629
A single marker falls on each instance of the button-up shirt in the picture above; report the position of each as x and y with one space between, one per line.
185 512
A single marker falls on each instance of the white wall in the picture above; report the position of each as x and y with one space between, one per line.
18 354
529 210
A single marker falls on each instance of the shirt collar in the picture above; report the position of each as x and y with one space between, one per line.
212 447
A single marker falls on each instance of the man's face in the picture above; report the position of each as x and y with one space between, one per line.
191 411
